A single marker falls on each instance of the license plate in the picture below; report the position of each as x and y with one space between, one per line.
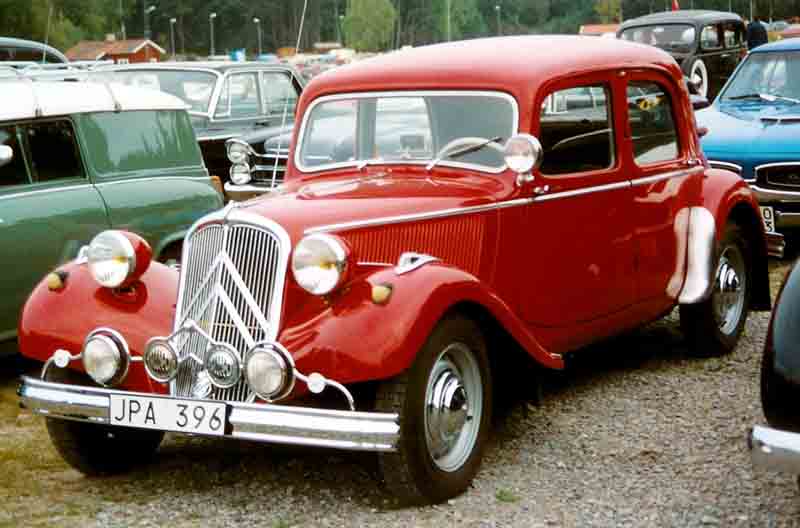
168 414
768 215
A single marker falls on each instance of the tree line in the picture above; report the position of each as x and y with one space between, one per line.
364 24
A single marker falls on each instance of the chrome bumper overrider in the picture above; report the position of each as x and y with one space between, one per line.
776 245
352 430
775 449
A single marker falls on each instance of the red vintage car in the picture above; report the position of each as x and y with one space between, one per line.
438 219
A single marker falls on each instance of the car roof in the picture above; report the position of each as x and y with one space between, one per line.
691 16
221 67
516 65
25 99
8 42
789 44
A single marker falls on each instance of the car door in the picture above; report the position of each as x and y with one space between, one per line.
579 253
733 33
48 209
665 182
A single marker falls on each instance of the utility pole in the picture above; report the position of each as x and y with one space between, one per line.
211 18
122 21
447 5
172 35
497 12
257 22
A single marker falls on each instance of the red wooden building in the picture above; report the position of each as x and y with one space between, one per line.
120 51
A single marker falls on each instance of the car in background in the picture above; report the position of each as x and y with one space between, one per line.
707 45
226 100
79 158
462 229
29 52
753 129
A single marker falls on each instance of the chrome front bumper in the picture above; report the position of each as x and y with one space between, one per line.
774 198
351 430
240 193
775 449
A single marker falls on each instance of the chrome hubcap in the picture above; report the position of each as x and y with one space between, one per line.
453 407
729 290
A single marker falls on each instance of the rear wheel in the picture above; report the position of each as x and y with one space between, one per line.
96 449
444 401
698 74
713 326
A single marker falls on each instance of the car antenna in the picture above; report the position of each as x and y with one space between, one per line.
47 32
286 102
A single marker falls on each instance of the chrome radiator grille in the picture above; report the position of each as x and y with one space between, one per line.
232 287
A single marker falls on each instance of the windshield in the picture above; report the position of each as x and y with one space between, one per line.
670 37
194 87
406 128
771 74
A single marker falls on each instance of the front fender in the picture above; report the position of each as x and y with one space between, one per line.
354 339
62 319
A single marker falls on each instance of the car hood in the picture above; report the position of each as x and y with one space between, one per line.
355 197
751 129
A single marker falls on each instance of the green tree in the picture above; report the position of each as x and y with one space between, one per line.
369 24
607 10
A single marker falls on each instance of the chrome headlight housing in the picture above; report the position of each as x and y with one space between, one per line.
161 360
105 357
238 151
112 259
223 366
320 263
269 371
240 173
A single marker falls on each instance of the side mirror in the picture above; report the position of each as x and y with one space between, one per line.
702 131
523 154
699 102
6 155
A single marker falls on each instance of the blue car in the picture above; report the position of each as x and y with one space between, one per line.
754 130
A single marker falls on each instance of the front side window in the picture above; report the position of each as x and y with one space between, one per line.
54 152
766 74
733 35
14 172
575 130
653 132
709 38
280 96
408 128
240 97
670 37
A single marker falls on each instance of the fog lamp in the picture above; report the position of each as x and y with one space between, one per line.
105 357
268 372
240 173
160 360
223 366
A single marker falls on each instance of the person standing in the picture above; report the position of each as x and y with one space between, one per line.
756 33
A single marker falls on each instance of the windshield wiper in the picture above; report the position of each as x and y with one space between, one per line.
770 98
462 151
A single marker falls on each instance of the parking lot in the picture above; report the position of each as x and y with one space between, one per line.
636 433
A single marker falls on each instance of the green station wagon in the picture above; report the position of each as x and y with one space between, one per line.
79 158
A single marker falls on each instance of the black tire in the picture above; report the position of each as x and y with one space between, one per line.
95 449
411 474
779 396
703 333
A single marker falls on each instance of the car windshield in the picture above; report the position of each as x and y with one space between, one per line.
408 128
670 37
194 87
766 76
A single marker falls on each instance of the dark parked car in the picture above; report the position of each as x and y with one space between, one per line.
226 100
29 51
708 45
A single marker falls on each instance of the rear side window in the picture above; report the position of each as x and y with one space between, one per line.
54 153
240 97
140 141
709 38
14 172
652 125
280 96
733 35
575 130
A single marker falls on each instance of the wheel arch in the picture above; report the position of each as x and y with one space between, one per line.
744 216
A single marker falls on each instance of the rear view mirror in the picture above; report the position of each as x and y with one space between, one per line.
6 155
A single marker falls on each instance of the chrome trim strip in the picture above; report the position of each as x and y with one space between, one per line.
352 430
779 164
414 93
775 449
581 192
774 194
200 139
50 190
666 176
776 245
725 165
153 178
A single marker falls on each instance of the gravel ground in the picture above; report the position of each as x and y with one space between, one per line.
636 433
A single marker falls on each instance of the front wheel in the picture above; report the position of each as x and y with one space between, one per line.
698 74
713 326
96 449
444 401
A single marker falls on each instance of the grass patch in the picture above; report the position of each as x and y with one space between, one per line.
506 495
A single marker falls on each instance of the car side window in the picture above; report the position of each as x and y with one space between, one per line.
709 38
54 152
733 35
653 132
14 172
576 130
240 97
403 129
280 95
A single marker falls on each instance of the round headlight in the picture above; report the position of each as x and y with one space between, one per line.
160 360
238 152
112 258
319 263
267 373
223 366
103 359
523 153
240 173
